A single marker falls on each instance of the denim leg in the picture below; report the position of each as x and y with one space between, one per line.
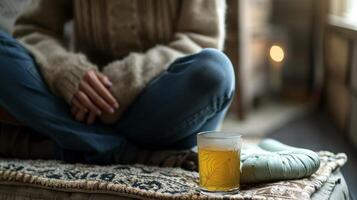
211 125
191 96
24 94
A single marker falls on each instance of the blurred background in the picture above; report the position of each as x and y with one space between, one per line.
296 68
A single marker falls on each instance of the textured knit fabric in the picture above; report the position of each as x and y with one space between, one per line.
131 41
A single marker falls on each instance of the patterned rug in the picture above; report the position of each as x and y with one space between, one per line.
145 182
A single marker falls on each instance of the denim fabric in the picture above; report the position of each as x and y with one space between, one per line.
191 96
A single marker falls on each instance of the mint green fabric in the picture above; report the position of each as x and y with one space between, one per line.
274 161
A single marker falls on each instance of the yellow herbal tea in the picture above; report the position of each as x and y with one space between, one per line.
219 170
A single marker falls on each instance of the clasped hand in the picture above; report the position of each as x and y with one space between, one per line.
93 98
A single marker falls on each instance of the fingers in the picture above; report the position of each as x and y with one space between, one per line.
104 79
76 103
99 88
74 110
80 115
83 98
95 97
91 117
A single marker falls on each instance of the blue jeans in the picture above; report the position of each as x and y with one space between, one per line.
192 95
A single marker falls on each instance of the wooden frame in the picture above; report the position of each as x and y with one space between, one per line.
232 49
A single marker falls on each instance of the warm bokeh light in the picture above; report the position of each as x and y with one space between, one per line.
276 53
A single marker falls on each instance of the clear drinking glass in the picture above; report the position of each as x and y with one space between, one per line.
219 162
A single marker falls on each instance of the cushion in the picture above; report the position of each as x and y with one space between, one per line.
45 179
271 160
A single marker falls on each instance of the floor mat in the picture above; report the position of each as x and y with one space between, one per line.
144 182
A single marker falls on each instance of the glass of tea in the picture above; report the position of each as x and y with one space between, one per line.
219 162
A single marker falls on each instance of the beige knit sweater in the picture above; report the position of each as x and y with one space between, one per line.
130 41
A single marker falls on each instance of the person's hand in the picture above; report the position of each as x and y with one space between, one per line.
93 97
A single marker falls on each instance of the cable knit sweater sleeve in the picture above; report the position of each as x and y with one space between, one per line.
200 25
40 30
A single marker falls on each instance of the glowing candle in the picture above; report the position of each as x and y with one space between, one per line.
276 53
